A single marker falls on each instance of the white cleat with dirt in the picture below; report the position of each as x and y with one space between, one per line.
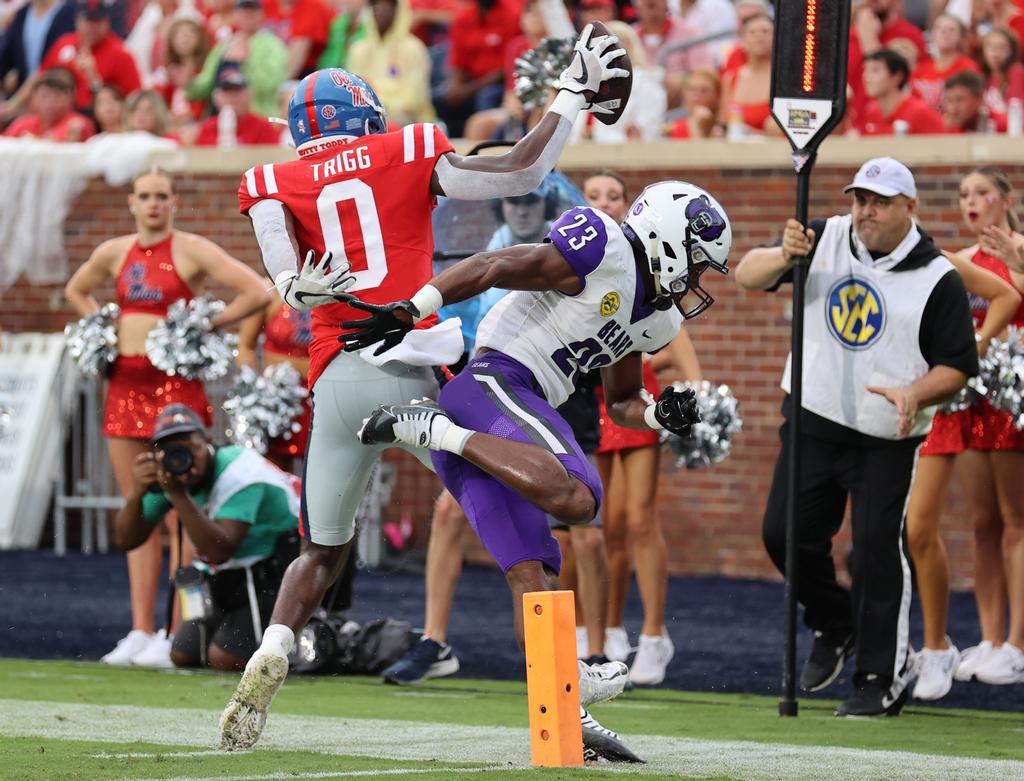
242 721
601 682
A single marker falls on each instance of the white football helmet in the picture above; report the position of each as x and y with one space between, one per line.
683 231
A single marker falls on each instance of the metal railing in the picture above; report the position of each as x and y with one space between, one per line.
86 489
85 483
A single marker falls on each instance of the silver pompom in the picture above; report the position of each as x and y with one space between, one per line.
1002 371
710 441
265 406
185 344
92 341
977 387
6 413
538 69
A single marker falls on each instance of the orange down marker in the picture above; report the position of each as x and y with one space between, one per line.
552 679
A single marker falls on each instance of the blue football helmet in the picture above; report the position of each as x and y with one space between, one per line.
334 102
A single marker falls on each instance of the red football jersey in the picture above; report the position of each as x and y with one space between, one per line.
368 201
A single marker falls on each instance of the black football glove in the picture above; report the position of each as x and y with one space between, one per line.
387 324
677 410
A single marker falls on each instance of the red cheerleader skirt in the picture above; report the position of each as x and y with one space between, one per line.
614 437
138 392
981 427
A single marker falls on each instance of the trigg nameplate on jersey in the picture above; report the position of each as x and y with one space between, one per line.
346 161
855 313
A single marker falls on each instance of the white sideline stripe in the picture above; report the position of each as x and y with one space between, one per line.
285 776
150 754
490 746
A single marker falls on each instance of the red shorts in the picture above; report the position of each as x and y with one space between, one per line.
614 437
138 392
981 427
295 446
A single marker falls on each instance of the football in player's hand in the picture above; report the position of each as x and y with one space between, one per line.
613 94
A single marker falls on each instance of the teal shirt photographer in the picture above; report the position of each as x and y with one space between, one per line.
247 488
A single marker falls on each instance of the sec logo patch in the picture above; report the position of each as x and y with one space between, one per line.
855 312
610 304
328 112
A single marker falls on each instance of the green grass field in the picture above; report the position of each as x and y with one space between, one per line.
62 720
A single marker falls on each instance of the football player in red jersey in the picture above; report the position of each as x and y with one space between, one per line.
360 199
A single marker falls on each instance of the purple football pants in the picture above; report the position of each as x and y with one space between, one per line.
497 395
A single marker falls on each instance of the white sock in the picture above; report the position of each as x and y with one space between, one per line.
278 639
451 438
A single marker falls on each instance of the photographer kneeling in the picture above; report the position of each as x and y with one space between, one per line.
241 514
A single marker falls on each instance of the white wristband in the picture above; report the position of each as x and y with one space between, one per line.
650 420
427 300
567 104
283 278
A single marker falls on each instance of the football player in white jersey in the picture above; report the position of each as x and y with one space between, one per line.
595 295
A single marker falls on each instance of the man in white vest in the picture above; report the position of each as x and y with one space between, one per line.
888 336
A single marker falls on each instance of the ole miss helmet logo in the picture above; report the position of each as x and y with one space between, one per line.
855 312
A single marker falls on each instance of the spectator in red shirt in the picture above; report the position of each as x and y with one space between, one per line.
746 91
188 44
303 25
891 109
659 29
476 60
146 112
232 94
745 9
1000 65
509 122
963 106
108 109
596 11
702 97
51 111
1004 13
949 41
94 54
876 23
219 19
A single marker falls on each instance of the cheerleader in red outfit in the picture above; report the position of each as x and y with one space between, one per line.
627 461
991 461
286 338
151 269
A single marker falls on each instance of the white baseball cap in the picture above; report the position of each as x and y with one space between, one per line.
884 176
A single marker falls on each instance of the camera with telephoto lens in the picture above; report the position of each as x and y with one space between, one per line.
178 460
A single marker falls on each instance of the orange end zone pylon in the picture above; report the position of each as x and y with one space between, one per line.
552 679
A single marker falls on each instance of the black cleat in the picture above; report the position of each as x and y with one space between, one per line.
828 655
412 424
874 697
601 743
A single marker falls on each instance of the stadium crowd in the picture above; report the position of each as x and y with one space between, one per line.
211 72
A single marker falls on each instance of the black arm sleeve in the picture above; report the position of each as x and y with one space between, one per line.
947 330
818 226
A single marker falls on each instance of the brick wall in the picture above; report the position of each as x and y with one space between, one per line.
711 517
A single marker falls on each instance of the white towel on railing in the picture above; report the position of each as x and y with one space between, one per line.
41 180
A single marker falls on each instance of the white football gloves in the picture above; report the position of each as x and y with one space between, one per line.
312 286
590 64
